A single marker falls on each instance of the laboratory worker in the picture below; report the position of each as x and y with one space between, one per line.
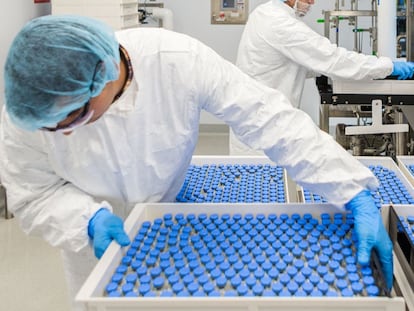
279 50
95 122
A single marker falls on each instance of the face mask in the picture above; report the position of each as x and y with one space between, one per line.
301 8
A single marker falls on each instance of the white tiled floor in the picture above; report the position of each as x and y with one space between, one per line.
31 273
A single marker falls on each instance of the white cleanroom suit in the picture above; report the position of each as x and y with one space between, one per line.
139 150
281 51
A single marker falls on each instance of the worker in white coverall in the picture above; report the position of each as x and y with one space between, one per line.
281 51
94 124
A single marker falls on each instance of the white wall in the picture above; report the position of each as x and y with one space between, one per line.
13 15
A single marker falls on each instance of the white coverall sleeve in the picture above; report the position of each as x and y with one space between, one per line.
45 205
263 118
301 44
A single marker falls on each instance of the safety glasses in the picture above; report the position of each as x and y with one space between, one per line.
84 116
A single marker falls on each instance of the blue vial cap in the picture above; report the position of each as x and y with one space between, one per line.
252 266
111 287
314 279
329 278
288 259
151 261
242 290
351 268
257 289
316 293
366 271
285 293
173 279
250 281
353 277
306 272
114 294
268 293
266 266
230 293
273 273
341 284
299 279
238 266
156 271
331 293
117 277
131 278
281 266
158 282
340 273
244 273
215 273
258 273
221 281
135 265
178 287
291 271
323 287
266 281
144 288
357 287
372 290
292 287
235 281
277 287
346 292
284 279
313 264
122 268
322 270
368 280
307 287
131 294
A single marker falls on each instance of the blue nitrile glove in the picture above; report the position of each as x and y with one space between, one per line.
105 227
403 70
371 234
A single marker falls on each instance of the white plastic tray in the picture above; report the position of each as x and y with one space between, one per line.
92 291
388 163
403 161
289 185
403 268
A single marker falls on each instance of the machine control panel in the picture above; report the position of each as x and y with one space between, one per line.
229 11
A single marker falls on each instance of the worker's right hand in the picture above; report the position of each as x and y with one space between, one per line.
371 234
403 70
105 227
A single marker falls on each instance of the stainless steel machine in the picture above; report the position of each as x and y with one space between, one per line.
383 109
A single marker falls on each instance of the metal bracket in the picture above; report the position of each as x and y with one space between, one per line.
377 127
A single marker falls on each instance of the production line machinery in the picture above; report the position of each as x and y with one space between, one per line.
384 113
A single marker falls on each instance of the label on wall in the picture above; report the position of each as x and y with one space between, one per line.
41 1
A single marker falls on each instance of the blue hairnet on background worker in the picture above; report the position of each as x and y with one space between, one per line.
94 124
281 51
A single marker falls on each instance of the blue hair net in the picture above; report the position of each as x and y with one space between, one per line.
55 65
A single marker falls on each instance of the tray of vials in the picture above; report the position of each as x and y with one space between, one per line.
236 179
406 165
401 231
394 187
270 257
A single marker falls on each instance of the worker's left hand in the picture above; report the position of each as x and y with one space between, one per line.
105 227
371 234
403 70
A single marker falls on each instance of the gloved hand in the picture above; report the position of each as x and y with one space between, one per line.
403 70
371 234
105 227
